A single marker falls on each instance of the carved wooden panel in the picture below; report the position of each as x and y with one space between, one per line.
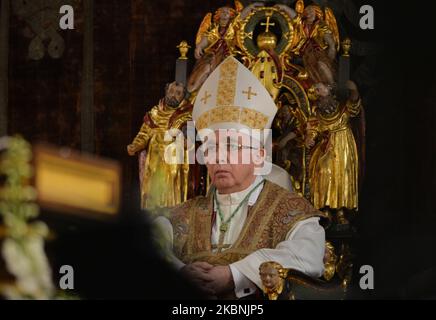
41 19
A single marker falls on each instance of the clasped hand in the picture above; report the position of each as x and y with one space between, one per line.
213 281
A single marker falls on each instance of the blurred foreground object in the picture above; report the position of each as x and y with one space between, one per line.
27 273
78 184
79 197
65 182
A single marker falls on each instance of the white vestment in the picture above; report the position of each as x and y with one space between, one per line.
303 249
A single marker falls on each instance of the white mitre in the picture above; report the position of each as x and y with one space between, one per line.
233 98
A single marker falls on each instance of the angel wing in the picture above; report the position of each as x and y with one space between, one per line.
205 25
239 6
332 24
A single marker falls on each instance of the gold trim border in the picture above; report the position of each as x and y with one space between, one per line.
248 117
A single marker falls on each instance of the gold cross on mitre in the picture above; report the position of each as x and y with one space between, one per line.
249 93
206 97
268 23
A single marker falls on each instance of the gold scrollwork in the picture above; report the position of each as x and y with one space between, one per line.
247 26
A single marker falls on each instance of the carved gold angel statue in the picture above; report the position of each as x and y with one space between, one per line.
216 40
162 184
318 42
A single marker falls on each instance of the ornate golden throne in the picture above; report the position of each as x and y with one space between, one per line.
271 41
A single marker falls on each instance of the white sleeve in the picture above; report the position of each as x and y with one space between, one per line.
166 232
303 250
243 285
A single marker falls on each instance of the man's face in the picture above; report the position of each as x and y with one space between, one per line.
231 163
174 95
270 277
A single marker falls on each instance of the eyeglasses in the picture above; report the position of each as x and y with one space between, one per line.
228 146
214 151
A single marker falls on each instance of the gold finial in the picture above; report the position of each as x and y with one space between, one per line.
267 40
346 46
299 6
183 48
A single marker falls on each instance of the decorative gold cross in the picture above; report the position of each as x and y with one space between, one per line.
206 97
249 93
268 23
220 246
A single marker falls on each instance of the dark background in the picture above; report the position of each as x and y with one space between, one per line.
135 57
